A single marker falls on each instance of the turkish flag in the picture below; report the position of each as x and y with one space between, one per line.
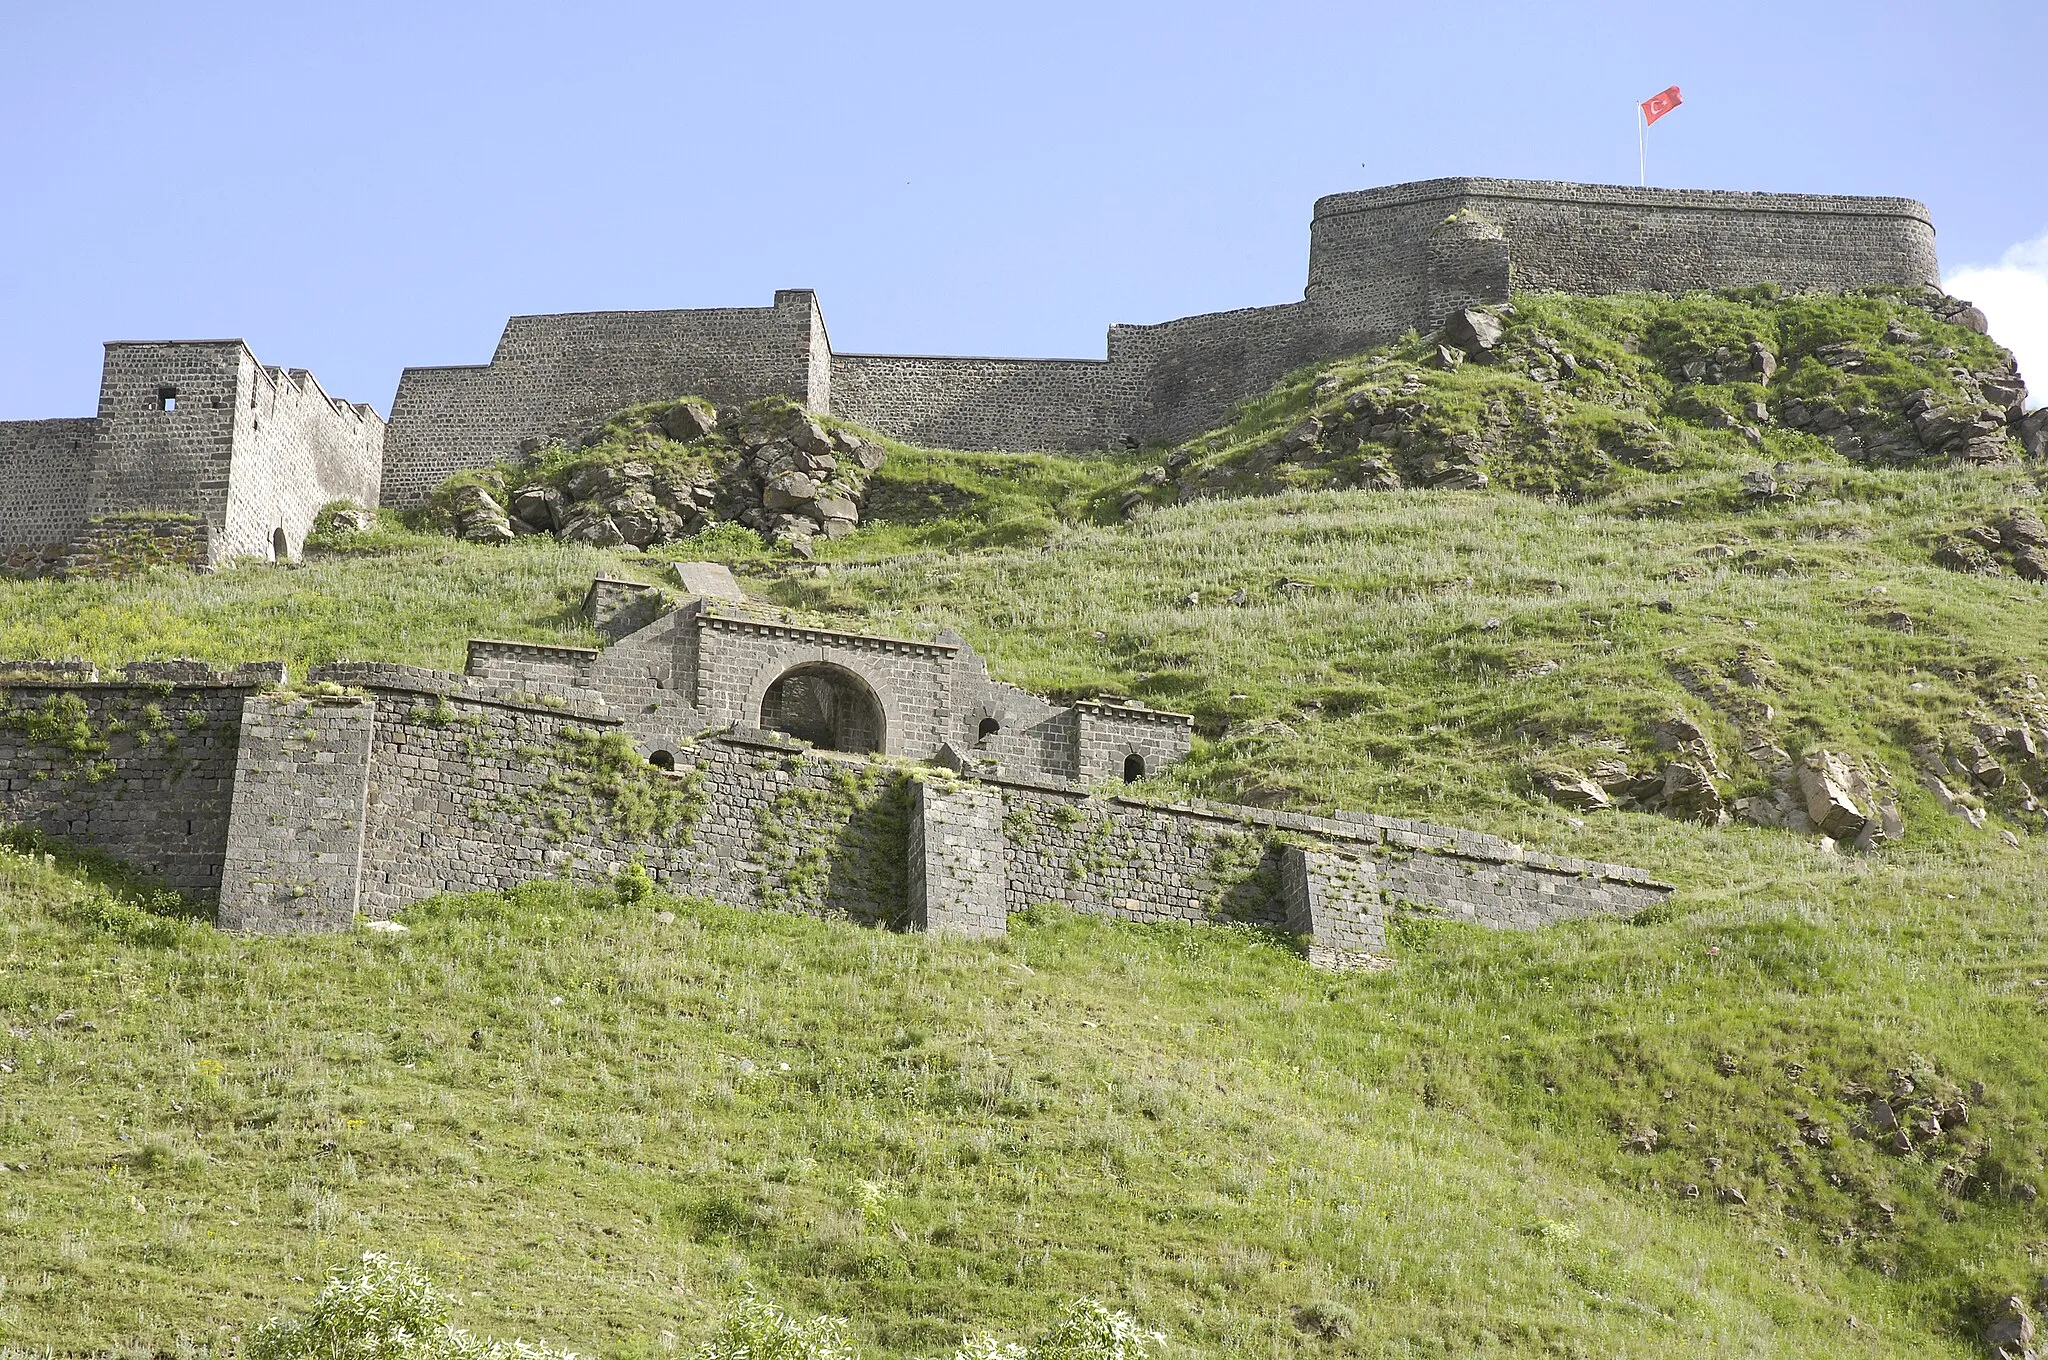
1657 105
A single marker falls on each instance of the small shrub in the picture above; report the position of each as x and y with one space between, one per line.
758 1330
633 885
382 1309
1088 1329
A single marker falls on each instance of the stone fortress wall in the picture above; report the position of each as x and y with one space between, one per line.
302 810
246 454
1381 262
196 429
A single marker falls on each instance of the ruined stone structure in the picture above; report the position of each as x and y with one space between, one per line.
1381 262
198 454
960 800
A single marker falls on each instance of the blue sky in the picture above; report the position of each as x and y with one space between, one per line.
357 188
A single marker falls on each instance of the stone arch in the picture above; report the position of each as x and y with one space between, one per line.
280 546
826 701
1135 767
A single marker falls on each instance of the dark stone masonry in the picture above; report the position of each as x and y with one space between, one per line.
1381 262
250 453
904 787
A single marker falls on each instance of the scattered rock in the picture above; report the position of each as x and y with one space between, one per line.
1825 780
707 580
1572 790
1472 330
479 518
2022 528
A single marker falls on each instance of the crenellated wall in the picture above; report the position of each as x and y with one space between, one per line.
194 428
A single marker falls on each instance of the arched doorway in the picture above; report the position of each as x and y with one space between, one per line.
1134 768
828 706
280 546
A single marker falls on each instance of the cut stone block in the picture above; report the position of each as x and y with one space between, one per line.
958 876
295 829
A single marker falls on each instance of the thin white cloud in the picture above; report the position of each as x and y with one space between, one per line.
2014 294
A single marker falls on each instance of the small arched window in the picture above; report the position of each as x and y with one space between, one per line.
1134 768
989 728
663 760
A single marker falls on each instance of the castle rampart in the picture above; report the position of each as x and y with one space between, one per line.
200 428
1381 262
194 428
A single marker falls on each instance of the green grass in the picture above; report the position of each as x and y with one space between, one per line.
600 1124
1187 1121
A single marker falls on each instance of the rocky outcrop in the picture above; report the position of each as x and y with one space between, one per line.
653 475
2017 537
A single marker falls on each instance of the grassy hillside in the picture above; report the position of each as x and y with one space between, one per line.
1611 1138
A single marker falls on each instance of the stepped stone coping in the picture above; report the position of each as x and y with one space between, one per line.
81 674
583 705
830 637
68 668
1363 829
503 647
1623 195
1136 712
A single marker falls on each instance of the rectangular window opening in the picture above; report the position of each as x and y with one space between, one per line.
167 399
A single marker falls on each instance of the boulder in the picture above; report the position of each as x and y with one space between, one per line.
1575 791
1960 554
2031 563
1473 331
688 420
1689 792
2022 528
479 518
2033 433
642 520
2005 391
2010 1332
1825 780
1301 437
345 519
829 507
787 490
1762 362
541 506
809 436
590 481
590 524
707 580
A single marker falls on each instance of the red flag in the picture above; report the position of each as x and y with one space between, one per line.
1657 105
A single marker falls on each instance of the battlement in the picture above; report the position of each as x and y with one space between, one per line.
247 453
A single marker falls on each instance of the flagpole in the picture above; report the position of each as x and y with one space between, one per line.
1642 151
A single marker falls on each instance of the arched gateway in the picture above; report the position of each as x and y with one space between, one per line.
828 706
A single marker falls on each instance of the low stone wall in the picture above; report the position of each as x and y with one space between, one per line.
143 771
302 811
